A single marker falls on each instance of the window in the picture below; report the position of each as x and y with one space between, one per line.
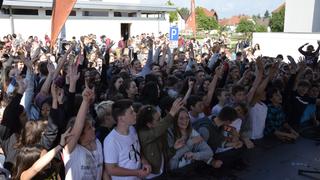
134 14
151 15
117 14
48 12
25 11
4 11
95 13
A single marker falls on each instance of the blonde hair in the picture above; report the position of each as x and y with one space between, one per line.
101 109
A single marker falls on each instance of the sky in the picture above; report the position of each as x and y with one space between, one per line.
228 8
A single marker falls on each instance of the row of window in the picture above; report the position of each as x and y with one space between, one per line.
35 12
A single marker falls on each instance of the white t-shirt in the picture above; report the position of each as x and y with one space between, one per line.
123 151
257 119
83 164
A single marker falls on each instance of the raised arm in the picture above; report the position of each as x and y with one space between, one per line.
170 60
62 61
213 85
47 83
273 71
88 98
301 47
147 67
188 93
259 76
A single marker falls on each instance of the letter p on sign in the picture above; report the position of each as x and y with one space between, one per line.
174 34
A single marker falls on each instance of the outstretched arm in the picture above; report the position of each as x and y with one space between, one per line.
301 47
88 98
259 76
45 159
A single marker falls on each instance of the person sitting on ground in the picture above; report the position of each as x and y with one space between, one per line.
276 124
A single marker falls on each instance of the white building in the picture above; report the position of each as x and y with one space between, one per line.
302 16
101 17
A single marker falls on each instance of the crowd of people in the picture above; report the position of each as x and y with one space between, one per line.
86 109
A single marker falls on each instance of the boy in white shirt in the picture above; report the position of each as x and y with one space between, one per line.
123 159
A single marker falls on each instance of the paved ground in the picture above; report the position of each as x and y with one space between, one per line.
282 161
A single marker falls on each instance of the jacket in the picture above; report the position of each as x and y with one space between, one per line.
154 145
201 151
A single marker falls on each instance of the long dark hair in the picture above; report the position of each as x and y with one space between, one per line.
176 130
125 86
113 88
25 159
150 94
145 116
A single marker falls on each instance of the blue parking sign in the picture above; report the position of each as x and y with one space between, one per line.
174 34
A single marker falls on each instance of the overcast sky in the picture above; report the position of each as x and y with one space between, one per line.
228 8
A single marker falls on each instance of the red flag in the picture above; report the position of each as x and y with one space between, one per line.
60 13
191 22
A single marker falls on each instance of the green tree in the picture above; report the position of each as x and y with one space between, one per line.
245 26
266 14
277 21
173 16
204 22
261 28
184 12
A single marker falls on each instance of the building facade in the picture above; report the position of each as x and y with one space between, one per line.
302 16
112 18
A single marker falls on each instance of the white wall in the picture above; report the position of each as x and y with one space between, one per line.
272 44
78 27
5 26
302 16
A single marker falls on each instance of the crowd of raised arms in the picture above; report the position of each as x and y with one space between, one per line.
87 109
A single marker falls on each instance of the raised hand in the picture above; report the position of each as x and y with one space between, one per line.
64 137
176 106
88 95
73 73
